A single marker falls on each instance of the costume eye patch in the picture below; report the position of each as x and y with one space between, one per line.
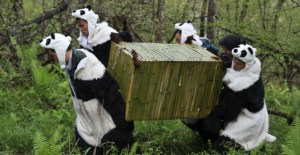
48 41
250 49
244 53
82 12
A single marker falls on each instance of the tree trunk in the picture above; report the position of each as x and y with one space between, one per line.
276 18
160 25
202 18
210 19
244 11
236 10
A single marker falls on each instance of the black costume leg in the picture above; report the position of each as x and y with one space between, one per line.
84 146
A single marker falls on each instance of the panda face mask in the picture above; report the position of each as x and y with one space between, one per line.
245 53
60 44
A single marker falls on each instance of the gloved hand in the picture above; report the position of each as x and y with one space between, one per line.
227 60
189 40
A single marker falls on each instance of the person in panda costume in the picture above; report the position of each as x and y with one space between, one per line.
96 37
97 99
241 104
186 34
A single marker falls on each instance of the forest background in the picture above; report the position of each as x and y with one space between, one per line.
36 111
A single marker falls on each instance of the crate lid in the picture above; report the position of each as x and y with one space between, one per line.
168 52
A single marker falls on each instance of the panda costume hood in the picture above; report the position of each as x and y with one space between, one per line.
241 104
187 30
60 44
239 80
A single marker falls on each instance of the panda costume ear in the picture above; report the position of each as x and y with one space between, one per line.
53 36
89 7
188 21
244 42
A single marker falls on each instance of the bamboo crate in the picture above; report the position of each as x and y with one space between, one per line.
173 81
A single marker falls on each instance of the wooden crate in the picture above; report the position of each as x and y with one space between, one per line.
173 82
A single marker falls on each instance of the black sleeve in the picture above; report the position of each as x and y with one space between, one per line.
126 36
102 52
254 96
107 92
228 109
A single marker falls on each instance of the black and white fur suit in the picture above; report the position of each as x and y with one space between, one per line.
241 105
97 100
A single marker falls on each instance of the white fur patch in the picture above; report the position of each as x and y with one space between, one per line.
92 121
101 35
239 80
95 69
249 129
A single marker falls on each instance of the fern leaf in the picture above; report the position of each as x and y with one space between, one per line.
133 148
293 139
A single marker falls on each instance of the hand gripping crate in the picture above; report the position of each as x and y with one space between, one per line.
173 81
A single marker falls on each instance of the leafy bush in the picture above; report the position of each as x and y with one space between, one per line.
292 147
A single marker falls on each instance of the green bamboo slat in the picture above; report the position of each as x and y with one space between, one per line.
216 83
149 109
193 111
159 94
144 90
128 96
183 81
219 81
164 94
210 79
211 91
201 93
187 79
140 90
190 110
157 74
200 90
111 60
173 89
121 61
148 90
168 109
193 87
206 86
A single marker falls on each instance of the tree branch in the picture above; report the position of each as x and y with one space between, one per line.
136 35
60 7
282 114
268 47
